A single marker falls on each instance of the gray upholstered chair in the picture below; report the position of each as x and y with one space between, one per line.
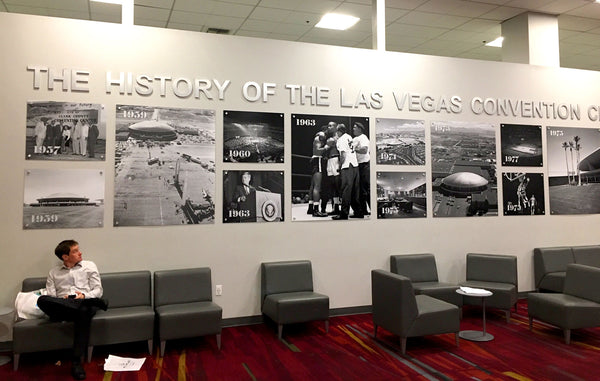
421 269
577 307
184 306
397 309
130 316
495 273
287 294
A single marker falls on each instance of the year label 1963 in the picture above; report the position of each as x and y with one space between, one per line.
239 213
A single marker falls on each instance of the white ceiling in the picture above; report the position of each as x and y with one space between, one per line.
454 28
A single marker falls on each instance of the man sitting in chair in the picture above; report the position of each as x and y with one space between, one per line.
74 294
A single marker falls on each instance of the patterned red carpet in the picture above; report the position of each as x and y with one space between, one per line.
349 352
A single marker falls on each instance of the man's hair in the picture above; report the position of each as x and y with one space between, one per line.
64 248
359 125
341 128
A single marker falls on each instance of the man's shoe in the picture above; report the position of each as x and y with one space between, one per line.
316 213
339 217
357 216
77 371
310 209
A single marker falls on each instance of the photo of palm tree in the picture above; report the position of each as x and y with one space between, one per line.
573 170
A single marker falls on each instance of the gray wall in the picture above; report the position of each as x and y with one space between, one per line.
342 253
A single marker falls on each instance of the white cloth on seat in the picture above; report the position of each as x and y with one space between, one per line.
26 304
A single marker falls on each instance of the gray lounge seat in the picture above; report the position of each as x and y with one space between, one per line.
287 294
495 273
421 269
397 309
129 317
184 306
577 307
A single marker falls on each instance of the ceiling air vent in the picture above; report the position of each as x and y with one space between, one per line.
218 31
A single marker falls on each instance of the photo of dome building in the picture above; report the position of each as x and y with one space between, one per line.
462 184
152 130
63 199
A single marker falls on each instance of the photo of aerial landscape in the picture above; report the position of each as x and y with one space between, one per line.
164 166
400 141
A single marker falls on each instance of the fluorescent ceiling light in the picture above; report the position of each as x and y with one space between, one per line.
497 43
336 21
120 2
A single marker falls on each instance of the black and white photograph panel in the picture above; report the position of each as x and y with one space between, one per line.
523 194
463 169
164 166
400 141
63 198
252 196
401 195
330 168
65 131
252 137
521 145
573 170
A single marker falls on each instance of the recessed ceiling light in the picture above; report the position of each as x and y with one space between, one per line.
120 2
336 21
497 43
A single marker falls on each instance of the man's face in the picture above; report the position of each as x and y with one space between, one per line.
246 178
73 258
356 130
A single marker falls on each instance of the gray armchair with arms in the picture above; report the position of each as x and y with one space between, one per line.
397 309
577 307
495 273
287 294
421 269
184 306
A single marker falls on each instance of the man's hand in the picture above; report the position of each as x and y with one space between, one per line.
80 295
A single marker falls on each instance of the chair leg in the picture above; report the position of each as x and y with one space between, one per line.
219 341
326 326
16 361
403 345
460 313
89 353
530 322
150 342
567 336
163 344
507 312
375 331
456 337
279 330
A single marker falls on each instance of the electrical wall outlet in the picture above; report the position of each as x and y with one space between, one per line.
219 290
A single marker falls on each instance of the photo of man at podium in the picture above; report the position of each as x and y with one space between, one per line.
252 196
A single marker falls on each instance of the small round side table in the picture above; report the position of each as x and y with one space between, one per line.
477 335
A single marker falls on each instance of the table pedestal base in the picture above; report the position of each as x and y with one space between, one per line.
475 336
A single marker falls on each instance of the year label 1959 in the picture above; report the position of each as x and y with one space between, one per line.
44 218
